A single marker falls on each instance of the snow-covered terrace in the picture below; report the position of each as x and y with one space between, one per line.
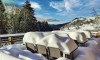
55 39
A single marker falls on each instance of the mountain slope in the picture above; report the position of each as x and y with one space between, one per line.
90 23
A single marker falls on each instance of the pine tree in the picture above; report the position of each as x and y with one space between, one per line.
12 19
44 26
2 9
28 21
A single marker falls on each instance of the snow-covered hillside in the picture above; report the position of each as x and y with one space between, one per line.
90 23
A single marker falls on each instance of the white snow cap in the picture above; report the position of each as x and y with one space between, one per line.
32 37
51 40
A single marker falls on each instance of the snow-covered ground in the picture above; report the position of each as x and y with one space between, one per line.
18 52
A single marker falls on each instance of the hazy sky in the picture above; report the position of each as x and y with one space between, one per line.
62 10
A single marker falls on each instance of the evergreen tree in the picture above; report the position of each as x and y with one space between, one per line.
2 9
27 19
13 22
45 26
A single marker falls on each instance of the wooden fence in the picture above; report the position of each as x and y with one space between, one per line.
11 38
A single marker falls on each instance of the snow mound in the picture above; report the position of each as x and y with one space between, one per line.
11 52
84 53
4 56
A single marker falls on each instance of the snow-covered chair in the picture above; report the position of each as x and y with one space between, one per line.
68 47
41 49
88 34
54 52
78 37
31 47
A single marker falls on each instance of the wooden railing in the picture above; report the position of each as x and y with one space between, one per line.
11 38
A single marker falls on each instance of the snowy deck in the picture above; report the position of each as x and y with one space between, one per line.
59 41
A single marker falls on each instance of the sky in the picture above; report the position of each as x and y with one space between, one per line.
61 11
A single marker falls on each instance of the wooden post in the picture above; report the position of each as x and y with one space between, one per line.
10 39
